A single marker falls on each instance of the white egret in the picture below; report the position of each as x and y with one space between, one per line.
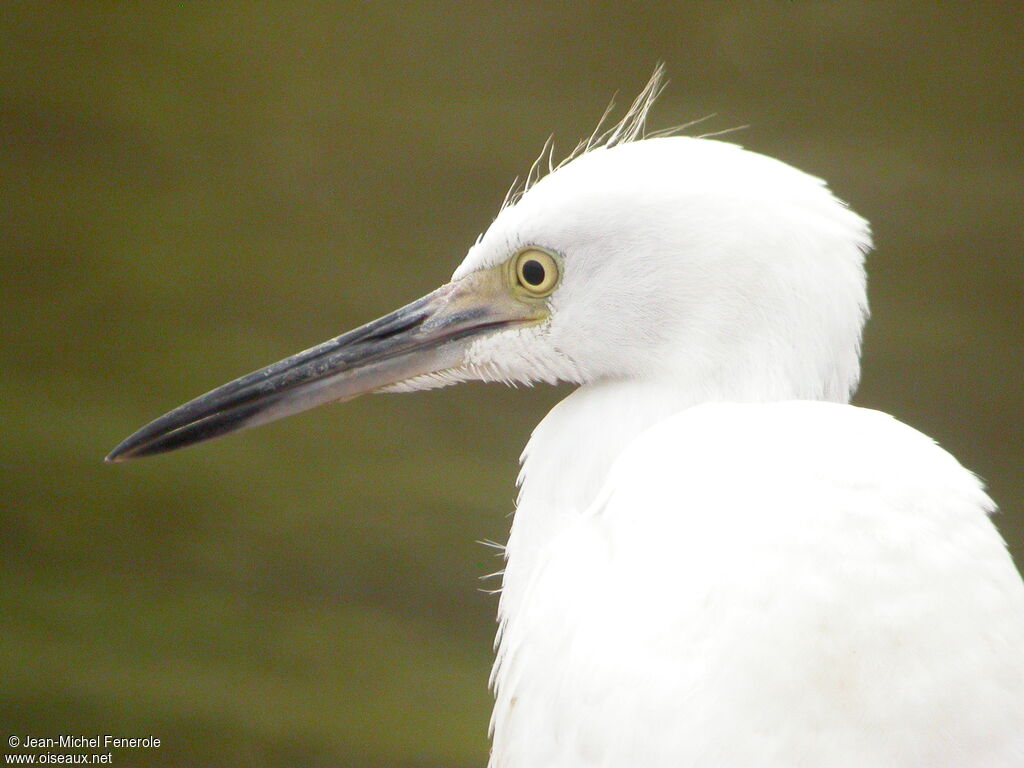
715 561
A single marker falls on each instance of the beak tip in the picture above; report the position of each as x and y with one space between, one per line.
120 454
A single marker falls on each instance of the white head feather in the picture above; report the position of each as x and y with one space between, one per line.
684 259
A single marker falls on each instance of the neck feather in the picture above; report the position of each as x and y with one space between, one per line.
568 456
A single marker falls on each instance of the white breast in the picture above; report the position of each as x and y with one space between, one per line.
780 584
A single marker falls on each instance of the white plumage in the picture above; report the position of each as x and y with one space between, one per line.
700 574
715 562
779 584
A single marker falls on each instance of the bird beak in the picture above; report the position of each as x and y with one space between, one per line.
429 335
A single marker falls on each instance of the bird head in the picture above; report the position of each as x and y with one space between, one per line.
685 260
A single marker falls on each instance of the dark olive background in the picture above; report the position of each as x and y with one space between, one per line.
191 191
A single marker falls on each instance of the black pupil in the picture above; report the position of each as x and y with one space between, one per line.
533 272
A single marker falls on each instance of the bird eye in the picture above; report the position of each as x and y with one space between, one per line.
536 272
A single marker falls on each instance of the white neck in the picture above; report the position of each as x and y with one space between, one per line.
567 459
569 453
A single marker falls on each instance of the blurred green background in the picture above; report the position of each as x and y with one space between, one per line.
191 191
